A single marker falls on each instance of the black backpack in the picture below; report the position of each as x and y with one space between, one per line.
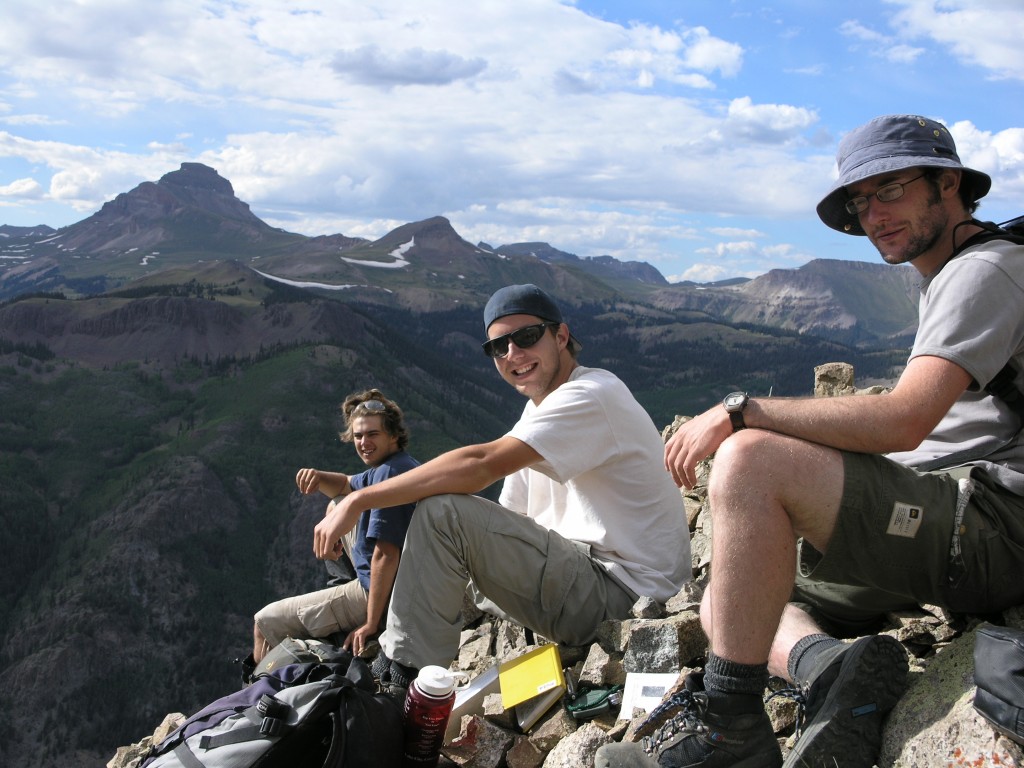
999 675
320 715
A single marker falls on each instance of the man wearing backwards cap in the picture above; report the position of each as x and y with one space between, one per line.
588 518
879 532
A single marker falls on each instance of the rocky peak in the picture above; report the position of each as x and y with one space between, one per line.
155 212
433 241
196 176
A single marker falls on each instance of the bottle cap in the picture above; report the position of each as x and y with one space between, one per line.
435 681
438 681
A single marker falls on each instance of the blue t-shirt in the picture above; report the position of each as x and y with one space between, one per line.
389 524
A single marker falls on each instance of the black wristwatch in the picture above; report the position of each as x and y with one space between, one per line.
734 403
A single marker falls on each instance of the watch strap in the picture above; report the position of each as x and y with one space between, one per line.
736 417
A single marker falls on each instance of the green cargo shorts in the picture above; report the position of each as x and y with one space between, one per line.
894 546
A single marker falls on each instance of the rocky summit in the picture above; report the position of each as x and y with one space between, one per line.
933 725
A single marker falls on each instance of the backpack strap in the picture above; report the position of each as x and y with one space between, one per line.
186 758
1004 387
269 718
989 232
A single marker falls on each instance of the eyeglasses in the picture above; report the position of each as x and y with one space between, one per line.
373 406
886 194
524 338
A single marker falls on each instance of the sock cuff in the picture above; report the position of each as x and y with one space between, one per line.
732 677
800 649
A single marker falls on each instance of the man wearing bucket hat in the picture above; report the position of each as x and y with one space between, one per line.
588 519
868 504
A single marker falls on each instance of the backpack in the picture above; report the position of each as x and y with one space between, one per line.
999 675
315 714
295 651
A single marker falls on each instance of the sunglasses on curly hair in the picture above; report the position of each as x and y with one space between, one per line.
373 406
524 338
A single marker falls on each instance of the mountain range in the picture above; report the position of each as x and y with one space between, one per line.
162 230
167 364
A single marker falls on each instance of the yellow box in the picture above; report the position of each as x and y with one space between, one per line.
530 675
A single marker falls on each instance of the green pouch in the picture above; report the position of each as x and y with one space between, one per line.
586 703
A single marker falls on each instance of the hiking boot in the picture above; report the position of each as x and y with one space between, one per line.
703 734
849 690
391 677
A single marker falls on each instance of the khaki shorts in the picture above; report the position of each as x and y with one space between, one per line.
893 546
314 614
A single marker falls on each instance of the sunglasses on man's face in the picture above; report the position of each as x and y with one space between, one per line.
524 338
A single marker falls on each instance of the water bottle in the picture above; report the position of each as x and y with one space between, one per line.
428 705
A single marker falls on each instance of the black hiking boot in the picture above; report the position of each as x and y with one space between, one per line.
392 678
703 734
848 692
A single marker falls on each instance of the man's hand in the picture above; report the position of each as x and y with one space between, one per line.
694 441
342 515
358 638
308 480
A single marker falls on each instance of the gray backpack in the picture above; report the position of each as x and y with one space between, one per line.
321 715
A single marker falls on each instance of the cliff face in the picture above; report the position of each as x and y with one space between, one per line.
166 328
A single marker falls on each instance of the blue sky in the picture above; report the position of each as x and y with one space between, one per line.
696 135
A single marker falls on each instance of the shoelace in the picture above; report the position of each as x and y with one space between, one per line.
687 720
798 695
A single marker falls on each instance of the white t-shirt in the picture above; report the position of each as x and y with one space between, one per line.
972 313
603 482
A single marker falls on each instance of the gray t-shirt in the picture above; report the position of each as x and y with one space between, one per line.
972 314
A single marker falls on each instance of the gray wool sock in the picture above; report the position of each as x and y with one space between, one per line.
722 676
806 650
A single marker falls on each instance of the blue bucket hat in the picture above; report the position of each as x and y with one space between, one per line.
525 299
891 143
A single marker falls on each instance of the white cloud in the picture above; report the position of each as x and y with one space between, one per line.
735 232
768 122
701 273
880 45
735 248
24 188
707 53
985 33
25 120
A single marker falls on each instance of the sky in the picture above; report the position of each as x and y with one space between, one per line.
695 135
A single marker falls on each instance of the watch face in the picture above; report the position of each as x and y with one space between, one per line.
735 400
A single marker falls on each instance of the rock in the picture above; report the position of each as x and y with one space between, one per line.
664 645
935 723
481 745
602 668
133 755
524 754
647 608
578 749
833 379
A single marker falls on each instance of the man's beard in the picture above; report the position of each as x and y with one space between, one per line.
931 227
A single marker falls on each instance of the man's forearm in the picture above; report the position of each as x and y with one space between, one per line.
847 423
463 470
383 570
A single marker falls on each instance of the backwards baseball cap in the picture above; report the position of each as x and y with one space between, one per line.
891 143
525 299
